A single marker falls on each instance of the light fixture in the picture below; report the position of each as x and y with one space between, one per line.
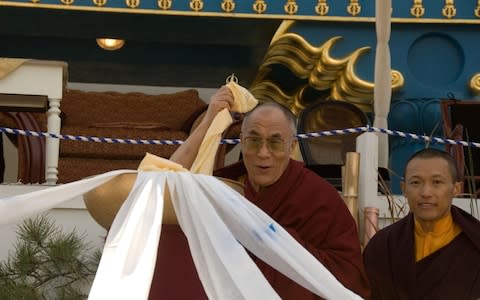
110 44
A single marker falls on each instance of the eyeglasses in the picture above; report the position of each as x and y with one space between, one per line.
254 144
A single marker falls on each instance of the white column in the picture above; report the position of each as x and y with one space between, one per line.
367 146
52 144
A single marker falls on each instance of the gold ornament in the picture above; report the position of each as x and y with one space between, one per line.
132 3
291 7
259 6
99 2
196 5
449 11
231 78
322 8
67 2
228 5
354 8
417 9
477 9
164 4
475 84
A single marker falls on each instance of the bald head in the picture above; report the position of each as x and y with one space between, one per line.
290 118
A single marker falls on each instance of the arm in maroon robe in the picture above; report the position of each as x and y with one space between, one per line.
313 212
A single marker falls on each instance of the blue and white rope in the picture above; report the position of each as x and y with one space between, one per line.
236 141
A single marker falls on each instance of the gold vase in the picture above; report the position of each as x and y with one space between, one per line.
104 201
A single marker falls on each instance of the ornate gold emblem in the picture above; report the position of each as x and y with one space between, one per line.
67 2
449 11
228 5
164 4
231 78
99 2
132 3
291 7
475 84
35 1
259 6
477 9
417 9
196 5
322 8
354 8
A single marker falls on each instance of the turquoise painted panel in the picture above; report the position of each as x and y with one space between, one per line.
433 9
436 60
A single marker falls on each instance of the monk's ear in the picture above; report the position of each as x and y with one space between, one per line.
402 187
457 188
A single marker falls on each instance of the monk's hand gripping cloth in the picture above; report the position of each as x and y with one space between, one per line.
243 101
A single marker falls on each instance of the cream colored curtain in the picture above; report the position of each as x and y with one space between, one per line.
383 81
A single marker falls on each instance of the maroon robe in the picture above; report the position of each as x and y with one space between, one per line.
311 210
452 272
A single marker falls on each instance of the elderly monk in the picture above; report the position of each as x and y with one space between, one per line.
306 205
434 252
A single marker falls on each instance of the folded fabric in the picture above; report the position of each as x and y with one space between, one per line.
243 101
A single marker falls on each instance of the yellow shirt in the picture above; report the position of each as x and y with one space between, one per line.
443 233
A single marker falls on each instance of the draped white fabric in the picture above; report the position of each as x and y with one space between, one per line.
218 223
383 81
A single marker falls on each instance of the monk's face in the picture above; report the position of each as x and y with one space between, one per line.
429 188
267 141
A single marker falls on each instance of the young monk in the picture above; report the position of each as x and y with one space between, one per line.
434 252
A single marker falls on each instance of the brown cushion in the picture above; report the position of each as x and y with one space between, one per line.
72 169
170 110
87 150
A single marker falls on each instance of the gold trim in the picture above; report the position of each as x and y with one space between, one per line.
99 2
238 15
291 7
322 8
475 84
259 6
354 8
164 4
417 9
132 3
196 5
228 6
449 11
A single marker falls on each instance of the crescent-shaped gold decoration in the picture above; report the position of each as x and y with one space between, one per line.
354 8
318 70
228 6
417 10
132 3
291 7
477 9
449 11
475 84
99 3
259 6
196 5
67 2
322 8
164 4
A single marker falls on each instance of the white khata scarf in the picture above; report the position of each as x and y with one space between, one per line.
219 224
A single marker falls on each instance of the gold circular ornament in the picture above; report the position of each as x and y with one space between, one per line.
475 84
231 78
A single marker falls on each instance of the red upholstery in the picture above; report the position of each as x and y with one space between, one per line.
105 114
